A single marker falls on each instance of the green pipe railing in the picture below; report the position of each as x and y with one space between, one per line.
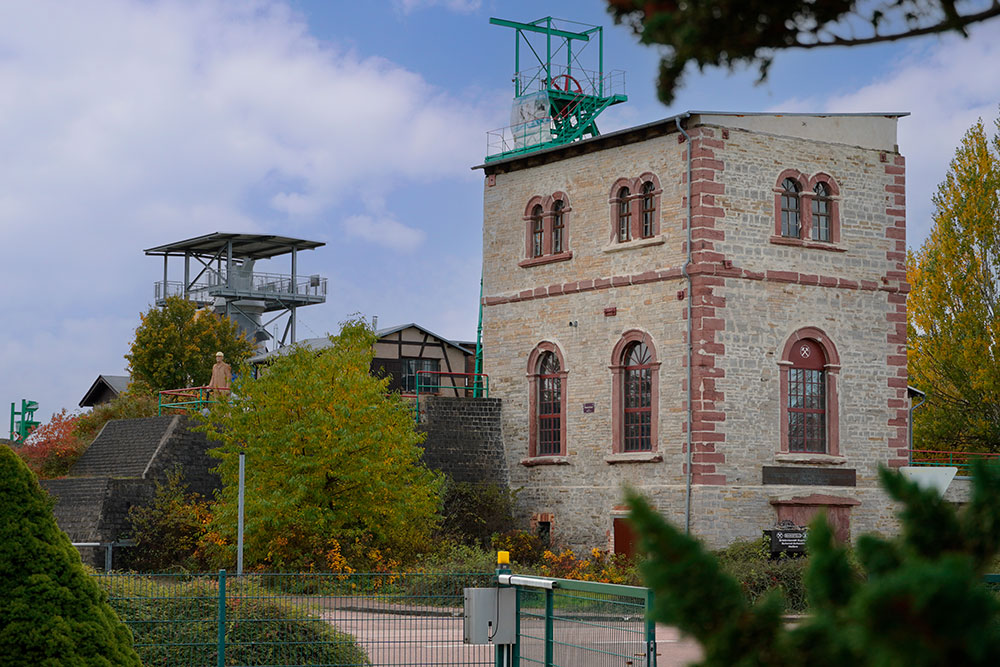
192 399
961 460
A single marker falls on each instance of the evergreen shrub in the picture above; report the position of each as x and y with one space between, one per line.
919 599
52 613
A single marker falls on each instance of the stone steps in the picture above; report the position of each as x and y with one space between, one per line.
124 448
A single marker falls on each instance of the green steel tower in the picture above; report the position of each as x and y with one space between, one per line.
559 89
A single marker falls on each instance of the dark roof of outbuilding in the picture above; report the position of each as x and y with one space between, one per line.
116 383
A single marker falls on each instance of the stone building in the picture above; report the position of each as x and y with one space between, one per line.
775 244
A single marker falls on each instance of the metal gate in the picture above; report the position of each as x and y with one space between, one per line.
569 623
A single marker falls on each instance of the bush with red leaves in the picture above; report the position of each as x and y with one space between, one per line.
54 447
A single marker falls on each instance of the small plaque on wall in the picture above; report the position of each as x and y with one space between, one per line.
810 476
588 408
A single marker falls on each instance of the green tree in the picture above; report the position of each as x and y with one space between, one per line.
733 33
923 601
52 613
175 346
333 462
954 306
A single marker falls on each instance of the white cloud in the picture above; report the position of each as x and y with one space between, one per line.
126 124
946 84
461 6
384 230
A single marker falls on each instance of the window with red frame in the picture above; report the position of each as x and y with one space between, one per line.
637 404
549 406
557 226
821 212
806 407
624 216
648 210
791 214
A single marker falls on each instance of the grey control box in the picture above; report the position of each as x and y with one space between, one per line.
489 616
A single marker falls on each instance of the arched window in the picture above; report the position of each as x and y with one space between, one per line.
549 406
638 399
546 404
634 403
791 217
547 222
809 423
537 232
648 210
624 216
821 212
557 226
807 399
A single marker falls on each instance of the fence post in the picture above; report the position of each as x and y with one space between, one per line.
548 627
650 630
516 650
221 649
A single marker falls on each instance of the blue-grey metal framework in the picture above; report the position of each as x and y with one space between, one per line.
225 264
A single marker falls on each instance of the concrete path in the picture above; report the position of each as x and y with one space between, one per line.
393 639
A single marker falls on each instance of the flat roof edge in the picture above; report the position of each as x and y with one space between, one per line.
672 120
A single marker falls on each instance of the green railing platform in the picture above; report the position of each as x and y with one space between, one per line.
442 383
961 460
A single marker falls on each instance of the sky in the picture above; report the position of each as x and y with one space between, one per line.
127 124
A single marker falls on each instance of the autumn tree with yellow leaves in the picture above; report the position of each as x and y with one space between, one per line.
175 346
334 476
954 305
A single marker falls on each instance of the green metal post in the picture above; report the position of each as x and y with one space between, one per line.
517 63
650 632
516 658
548 628
477 383
221 646
501 652
548 54
12 404
569 57
600 56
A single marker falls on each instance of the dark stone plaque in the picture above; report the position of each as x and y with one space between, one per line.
588 408
810 476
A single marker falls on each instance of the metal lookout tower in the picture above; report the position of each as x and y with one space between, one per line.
561 88
219 273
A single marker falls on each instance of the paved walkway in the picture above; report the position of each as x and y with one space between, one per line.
415 639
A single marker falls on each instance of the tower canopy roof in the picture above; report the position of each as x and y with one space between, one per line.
245 246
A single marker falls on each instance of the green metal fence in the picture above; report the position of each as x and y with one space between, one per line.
315 620
568 623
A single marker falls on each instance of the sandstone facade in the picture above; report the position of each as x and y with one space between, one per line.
754 294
